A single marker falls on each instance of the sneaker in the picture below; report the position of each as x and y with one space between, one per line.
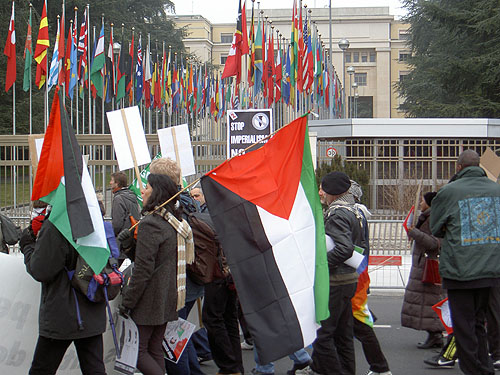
496 364
306 371
246 346
379 373
257 372
204 359
440 361
298 366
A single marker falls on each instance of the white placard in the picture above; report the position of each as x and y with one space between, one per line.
184 148
128 340
120 141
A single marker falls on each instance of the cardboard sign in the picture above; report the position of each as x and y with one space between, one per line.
175 143
128 136
248 127
490 162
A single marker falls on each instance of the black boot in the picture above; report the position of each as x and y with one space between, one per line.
434 340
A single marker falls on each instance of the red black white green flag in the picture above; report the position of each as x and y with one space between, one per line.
63 181
266 210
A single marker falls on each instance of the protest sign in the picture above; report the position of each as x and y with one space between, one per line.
176 338
128 335
129 140
245 128
175 143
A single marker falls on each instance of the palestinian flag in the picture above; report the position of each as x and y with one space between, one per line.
63 181
267 214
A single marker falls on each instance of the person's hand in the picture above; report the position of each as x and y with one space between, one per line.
123 311
27 238
126 239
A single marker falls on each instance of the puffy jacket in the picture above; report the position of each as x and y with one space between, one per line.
346 230
124 205
46 260
466 214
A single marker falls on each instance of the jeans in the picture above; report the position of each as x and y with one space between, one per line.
188 362
300 356
371 347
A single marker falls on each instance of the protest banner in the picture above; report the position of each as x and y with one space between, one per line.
175 143
177 335
245 128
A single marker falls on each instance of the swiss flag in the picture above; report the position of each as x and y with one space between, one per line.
10 52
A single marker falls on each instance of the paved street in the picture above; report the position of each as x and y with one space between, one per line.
398 344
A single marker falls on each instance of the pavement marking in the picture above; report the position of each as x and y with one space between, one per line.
382 326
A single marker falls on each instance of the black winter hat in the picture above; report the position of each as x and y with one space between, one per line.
335 183
429 196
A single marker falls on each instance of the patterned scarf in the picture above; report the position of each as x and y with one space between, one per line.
347 202
185 252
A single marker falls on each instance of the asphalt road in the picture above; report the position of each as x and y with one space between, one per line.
398 344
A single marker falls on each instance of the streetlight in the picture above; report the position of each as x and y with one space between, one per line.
356 95
350 70
343 45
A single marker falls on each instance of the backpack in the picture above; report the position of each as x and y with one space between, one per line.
209 261
10 231
102 287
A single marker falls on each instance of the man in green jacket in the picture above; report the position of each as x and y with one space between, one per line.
466 214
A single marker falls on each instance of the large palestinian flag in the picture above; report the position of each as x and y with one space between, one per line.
63 181
266 210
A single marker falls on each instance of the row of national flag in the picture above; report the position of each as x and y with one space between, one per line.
277 71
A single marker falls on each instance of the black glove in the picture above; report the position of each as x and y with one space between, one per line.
27 238
127 243
123 311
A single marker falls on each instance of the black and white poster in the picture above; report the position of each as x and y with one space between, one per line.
246 127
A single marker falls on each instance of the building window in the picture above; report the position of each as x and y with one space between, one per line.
360 78
373 56
403 76
223 59
404 35
404 56
364 57
226 38
355 57
348 57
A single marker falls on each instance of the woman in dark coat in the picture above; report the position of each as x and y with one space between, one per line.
151 295
419 297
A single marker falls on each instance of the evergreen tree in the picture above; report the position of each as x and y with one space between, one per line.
455 59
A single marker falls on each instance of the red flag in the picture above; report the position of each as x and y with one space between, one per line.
270 71
42 44
233 61
131 53
279 75
244 35
60 57
10 52
67 61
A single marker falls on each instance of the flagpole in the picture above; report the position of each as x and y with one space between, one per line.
103 92
93 131
31 99
149 107
132 86
164 88
77 111
66 57
88 67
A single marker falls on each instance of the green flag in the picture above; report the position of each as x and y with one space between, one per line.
98 64
28 55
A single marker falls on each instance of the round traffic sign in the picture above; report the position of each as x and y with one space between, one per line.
331 152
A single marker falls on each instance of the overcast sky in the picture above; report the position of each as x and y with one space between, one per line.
220 11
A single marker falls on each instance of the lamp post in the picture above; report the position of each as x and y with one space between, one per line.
355 95
350 70
343 45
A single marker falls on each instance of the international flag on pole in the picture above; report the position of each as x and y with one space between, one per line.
28 56
138 73
10 52
42 44
267 214
97 64
63 181
54 63
73 60
233 61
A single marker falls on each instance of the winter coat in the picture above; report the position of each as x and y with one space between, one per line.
419 298
124 205
465 214
346 230
151 294
46 260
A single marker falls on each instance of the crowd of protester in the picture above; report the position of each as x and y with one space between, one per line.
449 229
